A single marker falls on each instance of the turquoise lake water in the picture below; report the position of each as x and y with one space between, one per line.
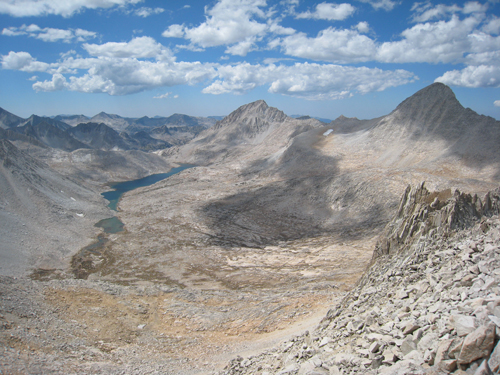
113 224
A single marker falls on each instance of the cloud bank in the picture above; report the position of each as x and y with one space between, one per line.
465 36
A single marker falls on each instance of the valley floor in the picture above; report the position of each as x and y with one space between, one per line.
172 295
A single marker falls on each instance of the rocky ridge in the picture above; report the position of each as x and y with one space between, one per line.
428 304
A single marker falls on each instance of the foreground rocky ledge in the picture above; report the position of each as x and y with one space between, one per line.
428 304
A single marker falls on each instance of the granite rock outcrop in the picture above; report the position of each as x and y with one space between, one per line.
429 303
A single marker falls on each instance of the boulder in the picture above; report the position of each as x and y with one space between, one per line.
477 344
442 351
448 365
463 324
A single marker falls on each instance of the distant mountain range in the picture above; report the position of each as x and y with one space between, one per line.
103 131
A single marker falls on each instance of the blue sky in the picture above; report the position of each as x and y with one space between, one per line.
134 58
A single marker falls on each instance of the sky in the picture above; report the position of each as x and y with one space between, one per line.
136 58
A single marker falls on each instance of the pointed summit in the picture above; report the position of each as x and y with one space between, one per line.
433 111
435 96
116 122
250 113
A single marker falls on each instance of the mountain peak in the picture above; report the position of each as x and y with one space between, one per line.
257 106
436 94
258 109
434 109
258 103
9 120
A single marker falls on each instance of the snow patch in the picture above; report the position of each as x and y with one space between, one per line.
327 132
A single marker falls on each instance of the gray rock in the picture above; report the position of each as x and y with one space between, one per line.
311 366
455 348
448 365
409 327
389 355
374 347
324 341
494 319
477 344
416 356
428 341
494 361
442 351
405 367
290 369
483 369
463 324
407 346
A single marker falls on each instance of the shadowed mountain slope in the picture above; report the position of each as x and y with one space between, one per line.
44 215
35 120
9 120
72 120
99 136
303 181
177 135
51 136
103 137
428 127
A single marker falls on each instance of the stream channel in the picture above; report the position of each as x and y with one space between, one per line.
95 257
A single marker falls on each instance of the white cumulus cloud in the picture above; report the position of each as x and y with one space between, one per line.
65 8
363 27
174 31
57 83
55 35
473 76
146 11
13 31
496 103
492 26
382 4
433 42
116 71
49 34
453 41
329 11
307 81
122 75
229 22
23 61
140 47
426 11
333 45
